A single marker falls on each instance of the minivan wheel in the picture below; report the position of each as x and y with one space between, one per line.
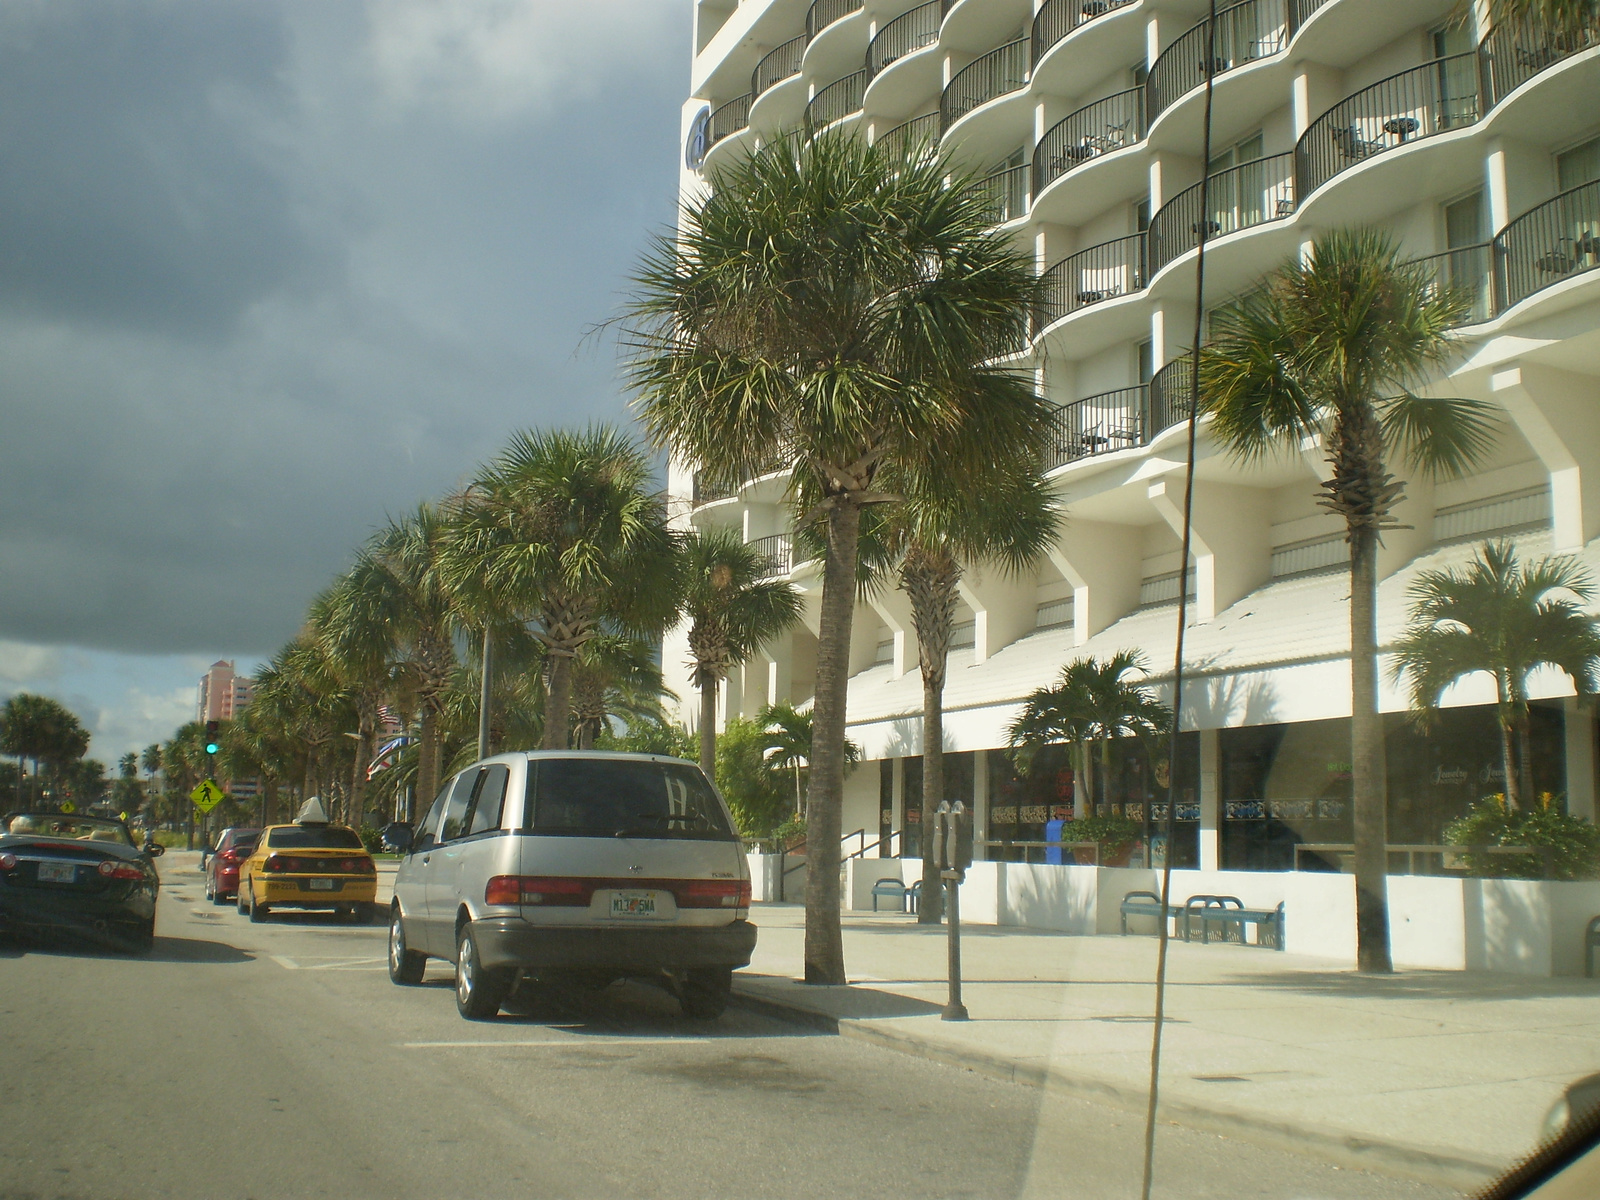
479 990
405 964
704 992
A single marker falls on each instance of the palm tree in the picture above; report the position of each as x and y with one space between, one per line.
787 736
1499 616
150 760
40 728
1569 18
1331 349
845 309
564 531
733 608
614 676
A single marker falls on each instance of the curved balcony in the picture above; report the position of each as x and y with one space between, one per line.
728 119
1468 270
1006 194
1114 268
1171 397
1057 18
778 550
823 13
840 99
1095 129
906 34
1099 424
1548 244
1245 33
920 131
1422 102
1253 193
1002 70
709 491
1515 52
777 64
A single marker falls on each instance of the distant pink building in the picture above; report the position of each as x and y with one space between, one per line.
224 694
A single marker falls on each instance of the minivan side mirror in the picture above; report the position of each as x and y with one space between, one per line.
397 837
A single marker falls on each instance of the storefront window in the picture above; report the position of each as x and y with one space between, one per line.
1020 805
1138 791
959 773
885 807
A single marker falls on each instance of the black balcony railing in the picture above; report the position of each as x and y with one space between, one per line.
778 550
708 490
1516 51
823 13
1095 129
1098 425
1252 193
778 64
1002 70
921 132
1245 32
1468 270
1115 268
1434 98
838 100
1006 193
908 32
729 118
1057 18
1558 239
1170 397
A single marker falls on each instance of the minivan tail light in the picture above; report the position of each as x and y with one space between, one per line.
544 890
714 893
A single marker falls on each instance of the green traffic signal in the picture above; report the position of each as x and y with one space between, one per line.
211 747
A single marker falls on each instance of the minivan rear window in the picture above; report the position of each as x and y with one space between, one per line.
590 797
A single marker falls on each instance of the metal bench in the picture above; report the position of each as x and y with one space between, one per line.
1230 913
1147 904
891 889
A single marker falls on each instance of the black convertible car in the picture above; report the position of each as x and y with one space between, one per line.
68 873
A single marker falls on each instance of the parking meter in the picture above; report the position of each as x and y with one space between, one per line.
954 856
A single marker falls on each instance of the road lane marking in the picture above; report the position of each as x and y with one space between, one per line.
573 1043
338 963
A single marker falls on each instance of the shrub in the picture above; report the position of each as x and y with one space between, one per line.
372 839
1574 843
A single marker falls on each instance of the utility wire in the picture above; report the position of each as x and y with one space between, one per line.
1203 232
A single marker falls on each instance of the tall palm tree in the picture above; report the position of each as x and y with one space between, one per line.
564 531
1501 617
846 309
614 676
150 760
1332 350
42 729
733 608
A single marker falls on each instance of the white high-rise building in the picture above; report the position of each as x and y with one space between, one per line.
1478 149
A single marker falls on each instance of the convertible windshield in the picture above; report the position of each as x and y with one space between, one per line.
78 829
314 837
581 797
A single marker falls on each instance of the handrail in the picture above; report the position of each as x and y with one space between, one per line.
1300 11
1469 269
1114 268
1247 31
1006 193
1108 124
1545 853
1057 18
840 99
728 119
1007 843
1252 193
776 65
1170 393
778 550
1408 106
1003 69
823 13
1516 51
867 849
1548 243
900 139
909 32
1098 424
708 491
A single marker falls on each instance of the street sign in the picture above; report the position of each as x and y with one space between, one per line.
207 796
69 807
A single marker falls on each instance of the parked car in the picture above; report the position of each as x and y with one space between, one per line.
309 865
83 875
222 867
551 867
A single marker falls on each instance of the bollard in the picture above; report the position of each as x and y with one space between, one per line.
952 869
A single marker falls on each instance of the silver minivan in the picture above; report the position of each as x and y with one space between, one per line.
554 867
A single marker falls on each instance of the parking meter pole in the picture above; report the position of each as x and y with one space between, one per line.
951 864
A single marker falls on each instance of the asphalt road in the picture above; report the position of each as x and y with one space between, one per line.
277 1060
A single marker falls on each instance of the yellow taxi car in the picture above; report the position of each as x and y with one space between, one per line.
311 864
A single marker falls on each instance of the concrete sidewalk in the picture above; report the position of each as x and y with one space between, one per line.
1438 1075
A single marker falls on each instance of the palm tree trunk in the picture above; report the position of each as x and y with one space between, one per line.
485 694
558 701
427 760
708 723
1525 766
930 579
1366 759
1507 722
930 908
824 952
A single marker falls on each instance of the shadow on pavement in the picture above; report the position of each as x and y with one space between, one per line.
166 950
846 1001
634 1008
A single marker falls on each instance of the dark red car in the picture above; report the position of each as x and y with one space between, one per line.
221 865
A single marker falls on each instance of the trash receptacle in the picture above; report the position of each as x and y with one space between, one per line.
1052 833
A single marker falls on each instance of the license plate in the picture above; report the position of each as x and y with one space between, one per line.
633 904
50 872
320 885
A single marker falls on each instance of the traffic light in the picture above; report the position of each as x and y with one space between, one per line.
211 736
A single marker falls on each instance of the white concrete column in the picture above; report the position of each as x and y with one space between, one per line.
1555 412
1004 609
1210 800
1496 187
1231 539
895 609
1103 562
1580 758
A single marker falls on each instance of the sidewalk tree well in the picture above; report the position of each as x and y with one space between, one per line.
1506 619
1332 349
849 310
733 608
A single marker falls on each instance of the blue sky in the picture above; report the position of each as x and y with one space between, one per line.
276 271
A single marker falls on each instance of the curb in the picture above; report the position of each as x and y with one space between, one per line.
1428 1164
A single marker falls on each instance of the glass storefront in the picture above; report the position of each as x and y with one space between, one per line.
886 848
1139 790
960 771
1019 806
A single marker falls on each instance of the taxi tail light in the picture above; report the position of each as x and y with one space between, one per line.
545 891
277 862
715 893
357 866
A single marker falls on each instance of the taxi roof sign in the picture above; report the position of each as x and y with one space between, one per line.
312 813
206 796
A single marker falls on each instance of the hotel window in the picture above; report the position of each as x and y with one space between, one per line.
1581 164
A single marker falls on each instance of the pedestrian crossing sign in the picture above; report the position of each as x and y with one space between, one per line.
207 796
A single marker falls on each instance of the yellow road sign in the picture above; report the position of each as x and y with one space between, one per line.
207 796
69 807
